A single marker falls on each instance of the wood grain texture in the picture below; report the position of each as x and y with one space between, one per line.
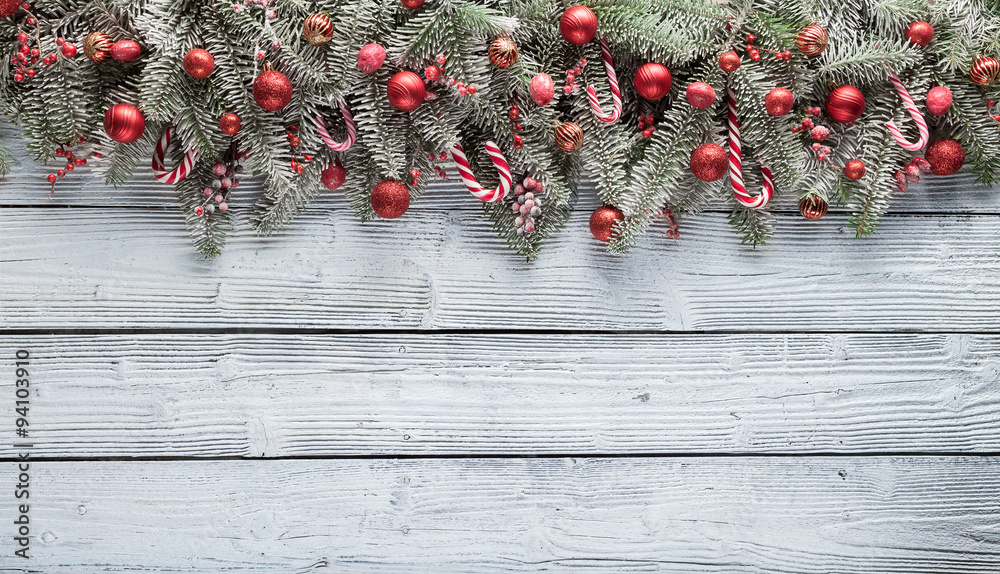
804 515
348 395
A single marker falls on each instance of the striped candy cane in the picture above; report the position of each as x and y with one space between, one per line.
616 94
736 166
464 170
914 113
352 132
180 172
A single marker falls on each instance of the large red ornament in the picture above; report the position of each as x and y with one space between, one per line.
272 90
124 123
701 95
578 25
199 63
652 81
939 100
603 220
97 46
812 40
9 7
412 4
985 71
503 52
709 162
390 199
542 89
405 91
945 156
845 104
729 62
335 174
855 169
779 101
370 57
920 33
813 206
230 124
126 50
569 137
318 29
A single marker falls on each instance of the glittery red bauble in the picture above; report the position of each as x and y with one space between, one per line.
318 29
813 206
370 57
985 71
945 156
198 63
272 90
779 101
542 89
578 25
390 199
126 50
939 100
569 137
405 91
845 104
920 33
652 81
335 174
701 95
97 46
709 162
9 7
602 222
124 123
855 169
729 62
503 52
230 124
412 4
811 40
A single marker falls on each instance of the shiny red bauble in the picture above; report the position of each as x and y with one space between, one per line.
985 71
97 46
272 90
542 89
406 91
939 100
813 206
779 101
729 62
230 124
701 95
569 137
920 33
603 220
578 25
370 57
812 40
318 29
126 50
334 176
652 81
124 123
945 156
502 52
709 162
855 169
199 63
390 199
845 104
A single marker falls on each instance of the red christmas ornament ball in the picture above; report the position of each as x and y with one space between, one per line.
230 124
709 162
855 169
199 63
334 176
578 25
939 100
503 52
920 33
9 7
405 91
779 101
813 206
126 50
985 71
412 4
390 199
945 156
729 62
272 90
845 104
124 123
97 46
701 95
652 81
811 40
569 137
603 220
370 57
318 29
542 89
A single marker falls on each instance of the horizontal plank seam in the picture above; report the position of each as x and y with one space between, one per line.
277 331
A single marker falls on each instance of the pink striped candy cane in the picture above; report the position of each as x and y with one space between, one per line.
914 113
180 172
616 94
464 170
736 165
352 131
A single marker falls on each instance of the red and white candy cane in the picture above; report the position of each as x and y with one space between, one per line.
464 170
352 131
736 162
180 172
914 113
616 94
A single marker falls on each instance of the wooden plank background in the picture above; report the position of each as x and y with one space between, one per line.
408 396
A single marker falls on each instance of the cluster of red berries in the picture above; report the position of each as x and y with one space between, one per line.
514 114
526 206
807 123
72 161
646 125
414 177
571 74
443 156
754 52
226 179
911 173
295 142
989 110
436 73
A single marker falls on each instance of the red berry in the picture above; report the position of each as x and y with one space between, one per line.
199 210
70 167
60 152
26 6
80 161
414 173
61 173
30 21
22 38
69 154
990 103
750 38
518 142
821 156
19 77
997 117
60 41
440 60
97 155
647 133
471 90
414 182
443 156
68 50
642 123
52 178
31 73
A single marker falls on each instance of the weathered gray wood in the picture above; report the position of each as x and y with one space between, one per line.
806 515
267 396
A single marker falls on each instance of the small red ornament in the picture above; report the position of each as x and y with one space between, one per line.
603 220
318 29
920 33
405 91
845 104
813 206
199 63
578 25
334 176
701 95
709 162
945 156
126 50
412 4
97 46
390 199
729 62
985 71
569 137
503 52
542 89
779 101
230 124
8 8
272 90
68 50
370 57
855 169
432 73
124 123
939 100
652 81
812 40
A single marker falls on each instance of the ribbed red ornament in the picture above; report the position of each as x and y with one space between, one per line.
945 156
709 162
390 199
845 104
199 63
578 25
855 169
335 174
569 137
920 33
939 100
503 52
813 206
602 222
405 91
370 57
230 124
126 50
985 71
124 123
652 81
318 29
9 7
779 101
97 46
812 40
272 90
